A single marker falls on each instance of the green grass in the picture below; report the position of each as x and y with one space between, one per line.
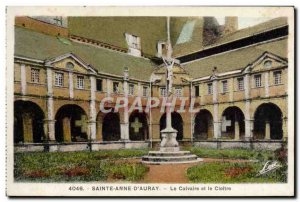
108 166
232 153
78 166
233 173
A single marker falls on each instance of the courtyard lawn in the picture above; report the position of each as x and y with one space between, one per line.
79 166
248 154
120 165
241 172
233 173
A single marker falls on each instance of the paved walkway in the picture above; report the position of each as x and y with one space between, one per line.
176 173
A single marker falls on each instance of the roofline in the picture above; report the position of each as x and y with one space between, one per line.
267 30
234 41
221 74
99 73
263 42
29 59
103 47
74 56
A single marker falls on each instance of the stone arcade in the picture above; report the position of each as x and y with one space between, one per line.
238 79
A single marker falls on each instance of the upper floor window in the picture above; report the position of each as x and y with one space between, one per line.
197 93
209 89
131 89
116 87
178 92
240 83
59 79
224 86
277 77
99 84
145 91
80 82
163 92
257 80
35 75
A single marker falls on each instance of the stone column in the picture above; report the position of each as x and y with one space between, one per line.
27 128
267 84
236 130
231 89
210 131
50 114
23 79
92 121
139 90
268 131
99 131
125 122
217 122
215 91
284 129
247 86
108 87
248 121
71 85
67 129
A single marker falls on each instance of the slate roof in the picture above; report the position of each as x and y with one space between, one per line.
111 30
250 31
197 35
40 46
235 60
194 46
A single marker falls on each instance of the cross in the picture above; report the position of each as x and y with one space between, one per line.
225 123
82 123
58 20
136 125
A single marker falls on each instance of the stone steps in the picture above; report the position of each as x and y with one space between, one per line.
162 157
160 153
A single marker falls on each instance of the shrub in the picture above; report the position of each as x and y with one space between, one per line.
128 172
77 171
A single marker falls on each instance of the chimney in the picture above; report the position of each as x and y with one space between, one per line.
231 24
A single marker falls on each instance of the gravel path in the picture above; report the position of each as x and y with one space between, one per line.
176 173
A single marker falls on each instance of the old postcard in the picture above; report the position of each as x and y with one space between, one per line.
150 101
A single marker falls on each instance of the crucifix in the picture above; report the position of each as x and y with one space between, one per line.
169 142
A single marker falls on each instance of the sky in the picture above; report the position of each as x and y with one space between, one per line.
245 21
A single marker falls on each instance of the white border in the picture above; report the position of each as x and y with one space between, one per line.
270 190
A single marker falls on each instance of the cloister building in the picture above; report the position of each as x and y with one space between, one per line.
65 67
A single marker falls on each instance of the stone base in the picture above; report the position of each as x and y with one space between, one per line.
169 149
170 157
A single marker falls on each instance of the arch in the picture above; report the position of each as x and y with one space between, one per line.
28 122
177 123
111 130
71 124
233 123
138 126
268 122
203 125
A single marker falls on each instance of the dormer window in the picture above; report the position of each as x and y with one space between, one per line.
161 49
134 44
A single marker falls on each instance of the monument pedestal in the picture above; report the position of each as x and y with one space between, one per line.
169 152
